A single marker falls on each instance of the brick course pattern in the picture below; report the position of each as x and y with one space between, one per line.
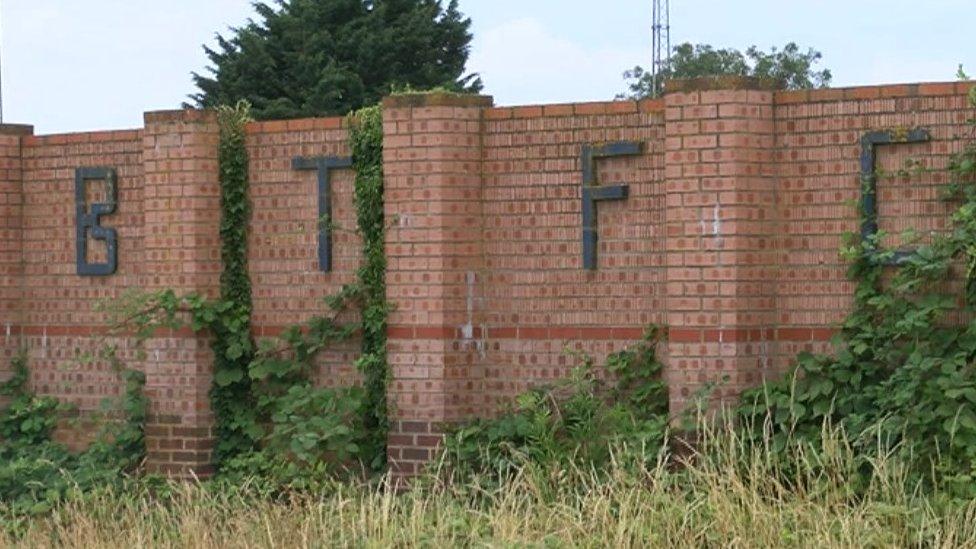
728 235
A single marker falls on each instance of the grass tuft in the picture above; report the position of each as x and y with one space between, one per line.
731 491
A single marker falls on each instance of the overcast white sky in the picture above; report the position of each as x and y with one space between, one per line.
72 65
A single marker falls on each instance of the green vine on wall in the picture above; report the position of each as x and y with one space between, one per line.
270 415
366 140
229 320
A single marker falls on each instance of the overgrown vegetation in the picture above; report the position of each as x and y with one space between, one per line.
229 321
36 472
366 140
903 377
729 494
575 422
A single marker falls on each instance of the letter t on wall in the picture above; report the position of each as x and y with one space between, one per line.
324 166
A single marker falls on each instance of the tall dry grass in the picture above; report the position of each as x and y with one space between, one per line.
730 493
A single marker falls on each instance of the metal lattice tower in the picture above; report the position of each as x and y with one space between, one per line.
661 42
1 80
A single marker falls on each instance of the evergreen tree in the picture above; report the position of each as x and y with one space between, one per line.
329 57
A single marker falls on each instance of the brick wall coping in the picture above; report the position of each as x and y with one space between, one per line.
180 115
298 124
16 129
575 109
82 137
441 99
712 83
924 89
437 99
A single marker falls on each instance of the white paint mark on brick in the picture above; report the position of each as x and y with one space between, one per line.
717 221
467 331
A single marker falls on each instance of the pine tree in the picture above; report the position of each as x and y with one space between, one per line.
329 57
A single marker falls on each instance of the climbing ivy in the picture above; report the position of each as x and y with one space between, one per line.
270 416
16 384
903 376
366 140
229 319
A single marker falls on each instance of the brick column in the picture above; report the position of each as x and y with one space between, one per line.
433 192
11 241
182 251
720 206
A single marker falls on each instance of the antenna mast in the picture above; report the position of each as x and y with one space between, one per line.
661 47
1 72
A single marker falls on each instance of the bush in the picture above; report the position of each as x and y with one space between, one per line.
581 421
37 473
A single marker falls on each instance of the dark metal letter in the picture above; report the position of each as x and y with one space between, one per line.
869 178
324 165
592 193
88 220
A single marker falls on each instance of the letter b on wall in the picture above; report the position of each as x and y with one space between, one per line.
88 218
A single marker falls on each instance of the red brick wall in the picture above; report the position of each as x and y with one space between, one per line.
58 322
817 152
721 195
167 227
11 240
539 299
434 208
182 253
729 236
287 284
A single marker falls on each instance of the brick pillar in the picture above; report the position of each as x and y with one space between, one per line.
11 241
719 216
433 192
182 251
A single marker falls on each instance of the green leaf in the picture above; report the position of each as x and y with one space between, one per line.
228 376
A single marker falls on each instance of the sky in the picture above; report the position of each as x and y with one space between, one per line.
76 65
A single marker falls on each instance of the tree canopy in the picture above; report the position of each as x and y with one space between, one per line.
793 67
328 57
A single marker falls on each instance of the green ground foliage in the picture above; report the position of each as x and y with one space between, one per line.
575 422
36 473
728 495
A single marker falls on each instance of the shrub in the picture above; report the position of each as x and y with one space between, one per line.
580 421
